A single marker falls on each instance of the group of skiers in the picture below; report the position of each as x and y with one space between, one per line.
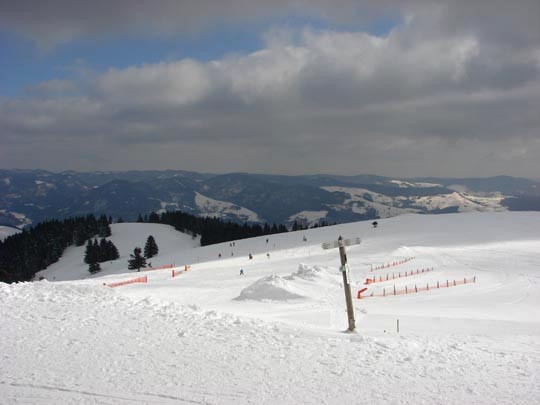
250 256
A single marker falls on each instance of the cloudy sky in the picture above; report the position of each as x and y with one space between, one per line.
399 88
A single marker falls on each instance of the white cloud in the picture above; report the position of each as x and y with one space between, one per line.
417 101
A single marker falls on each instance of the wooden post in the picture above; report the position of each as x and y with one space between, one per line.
346 284
398 326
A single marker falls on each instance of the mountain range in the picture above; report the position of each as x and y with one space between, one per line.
30 196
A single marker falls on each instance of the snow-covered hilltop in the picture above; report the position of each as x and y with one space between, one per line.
275 334
6 231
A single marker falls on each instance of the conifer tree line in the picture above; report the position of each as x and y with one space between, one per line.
24 254
213 230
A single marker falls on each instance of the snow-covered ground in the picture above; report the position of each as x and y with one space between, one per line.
220 209
275 335
361 200
6 231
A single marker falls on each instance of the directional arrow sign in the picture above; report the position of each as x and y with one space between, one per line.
346 242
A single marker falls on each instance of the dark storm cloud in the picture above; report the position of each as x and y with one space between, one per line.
502 21
454 89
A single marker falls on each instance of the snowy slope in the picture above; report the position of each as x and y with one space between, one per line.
6 231
275 335
125 236
361 200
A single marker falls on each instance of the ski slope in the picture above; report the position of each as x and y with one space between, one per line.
276 334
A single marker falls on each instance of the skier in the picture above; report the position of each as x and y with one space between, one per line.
241 272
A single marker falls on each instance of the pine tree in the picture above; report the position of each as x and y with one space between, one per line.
93 268
103 252
92 253
140 218
150 248
153 218
113 251
88 254
137 261
104 230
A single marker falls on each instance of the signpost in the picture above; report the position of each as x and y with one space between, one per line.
341 243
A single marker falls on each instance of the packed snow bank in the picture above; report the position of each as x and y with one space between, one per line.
65 343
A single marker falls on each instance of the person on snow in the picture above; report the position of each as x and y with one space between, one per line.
241 272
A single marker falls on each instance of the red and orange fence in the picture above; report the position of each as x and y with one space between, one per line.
391 264
143 279
393 276
166 266
178 272
387 292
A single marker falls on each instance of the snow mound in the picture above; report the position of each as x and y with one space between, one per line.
273 287
293 286
309 273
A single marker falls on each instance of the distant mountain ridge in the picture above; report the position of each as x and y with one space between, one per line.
31 196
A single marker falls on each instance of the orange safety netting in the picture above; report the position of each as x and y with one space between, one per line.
387 292
391 264
166 266
393 276
178 272
143 279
